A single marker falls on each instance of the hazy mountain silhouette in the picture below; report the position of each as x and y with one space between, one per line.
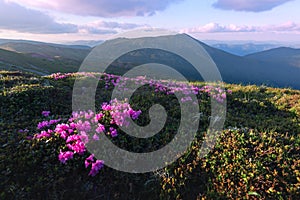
282 55
279 67
244 48
253 69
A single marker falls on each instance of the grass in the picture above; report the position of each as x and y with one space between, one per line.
39 65
256 157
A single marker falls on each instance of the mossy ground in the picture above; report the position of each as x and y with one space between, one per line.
256 157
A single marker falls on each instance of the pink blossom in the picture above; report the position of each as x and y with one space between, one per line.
113 132
106 107
95 137
84 137
98 117
43 134
89 115
43 124
96 166
77 147
73 138
46 113
62 129
83 126
64 156
100 128
89 160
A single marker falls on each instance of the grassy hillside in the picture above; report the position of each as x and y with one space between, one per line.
36 63
41 58
49 51
256 157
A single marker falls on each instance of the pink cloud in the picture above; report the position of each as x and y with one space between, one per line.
26 20
249 5
102 8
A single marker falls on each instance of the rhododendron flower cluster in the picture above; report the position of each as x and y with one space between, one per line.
87 126
166 86
96 164
44 124
64 156
44 134
122 112
84 127
216 93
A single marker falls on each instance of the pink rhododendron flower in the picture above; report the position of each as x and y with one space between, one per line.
63 130
46 113
95 137
64 156
121 111
73 138
106 107
83 126
100 128
113 132
134 114
96 166
43 134
84 137
42 124
89 114
89 160
98 117
77 147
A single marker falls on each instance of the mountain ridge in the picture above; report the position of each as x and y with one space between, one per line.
278 67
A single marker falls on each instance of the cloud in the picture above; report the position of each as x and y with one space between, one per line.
114 25
215 27
25 20
286 27
107 27
96 30
102 8
218 28
249 5
18 18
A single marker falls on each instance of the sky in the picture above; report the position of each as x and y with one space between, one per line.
225 20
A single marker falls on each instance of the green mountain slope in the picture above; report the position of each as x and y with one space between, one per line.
41 58
48 51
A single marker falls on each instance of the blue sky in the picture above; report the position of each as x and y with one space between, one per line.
66 20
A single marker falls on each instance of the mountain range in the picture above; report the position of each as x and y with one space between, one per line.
277 67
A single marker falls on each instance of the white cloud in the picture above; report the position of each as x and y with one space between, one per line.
286 27
114 25
215 27
107 27
249 5
218 28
